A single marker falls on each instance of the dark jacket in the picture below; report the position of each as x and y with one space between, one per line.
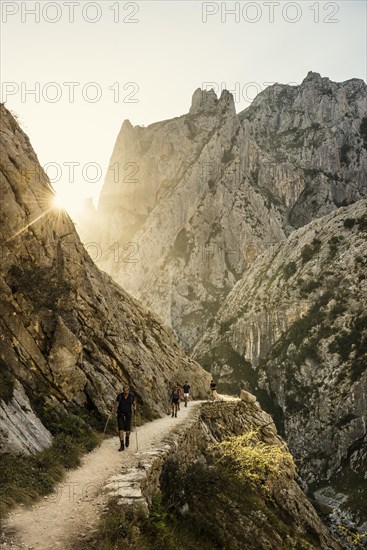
125 404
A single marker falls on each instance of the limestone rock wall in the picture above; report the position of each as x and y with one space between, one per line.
189 203
20 429
68 333
294 331
316 134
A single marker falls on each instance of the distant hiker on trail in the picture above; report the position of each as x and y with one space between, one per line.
213 390
175 399
125 404
186 392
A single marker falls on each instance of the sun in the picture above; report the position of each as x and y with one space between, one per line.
68 200
58 202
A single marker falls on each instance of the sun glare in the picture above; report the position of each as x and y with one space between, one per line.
68 200
58 202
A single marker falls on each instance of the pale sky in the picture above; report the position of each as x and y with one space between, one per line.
154 55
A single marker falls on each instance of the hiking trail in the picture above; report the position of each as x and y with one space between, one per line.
73 511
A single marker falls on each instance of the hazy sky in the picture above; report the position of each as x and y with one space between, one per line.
143 60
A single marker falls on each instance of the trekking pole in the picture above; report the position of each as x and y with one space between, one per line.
136 433
105 428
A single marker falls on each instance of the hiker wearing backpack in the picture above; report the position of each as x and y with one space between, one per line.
125 405
213 391
186 392
175 399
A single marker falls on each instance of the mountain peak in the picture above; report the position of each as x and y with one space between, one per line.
203 100
313 76
207 100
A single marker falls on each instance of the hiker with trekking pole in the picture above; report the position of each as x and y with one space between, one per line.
126 407
174 400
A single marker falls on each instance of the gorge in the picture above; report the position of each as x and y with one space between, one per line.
234 247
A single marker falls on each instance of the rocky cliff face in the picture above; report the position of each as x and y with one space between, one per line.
233 512
69 335
294 329
200 490
189 203
313 144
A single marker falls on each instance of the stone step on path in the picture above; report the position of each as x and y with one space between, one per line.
74 509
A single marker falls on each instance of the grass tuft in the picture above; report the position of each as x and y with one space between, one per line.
24 479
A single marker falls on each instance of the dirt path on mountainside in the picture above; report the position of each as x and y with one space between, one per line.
72 512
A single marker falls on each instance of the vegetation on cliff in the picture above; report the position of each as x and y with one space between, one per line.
239 492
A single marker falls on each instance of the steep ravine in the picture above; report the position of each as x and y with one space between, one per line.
294 330
69 337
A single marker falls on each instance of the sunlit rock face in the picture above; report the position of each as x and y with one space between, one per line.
294 331
69 335
189 203
319 129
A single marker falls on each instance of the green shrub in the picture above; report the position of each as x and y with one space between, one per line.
252 461
227 157
224 508
309 250
358 540
306 253
308 349
289 270
119 528
316 244
26 478
351 341
70 424
129 527
227 508
337 310
334 243
225 326
309 287
362 223
349 223
303 327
